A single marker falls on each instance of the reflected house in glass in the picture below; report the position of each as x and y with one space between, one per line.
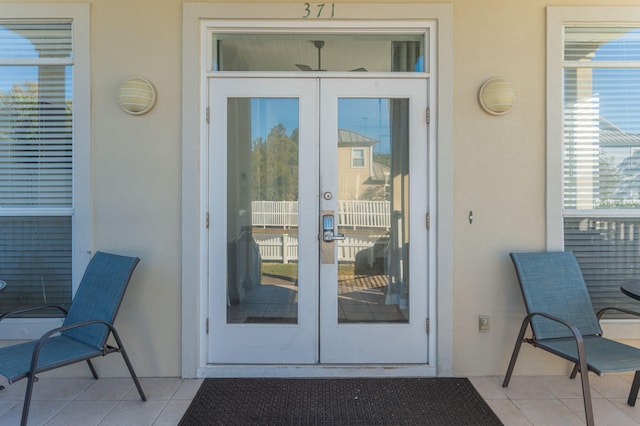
361 176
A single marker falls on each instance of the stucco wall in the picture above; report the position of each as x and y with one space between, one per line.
499 174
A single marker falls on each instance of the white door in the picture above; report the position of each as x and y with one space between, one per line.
317 202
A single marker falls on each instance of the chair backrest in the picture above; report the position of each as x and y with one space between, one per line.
99 296
552 282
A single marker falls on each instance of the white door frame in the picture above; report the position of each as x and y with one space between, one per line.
198 18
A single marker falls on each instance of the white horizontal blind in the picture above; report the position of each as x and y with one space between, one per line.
35 116
35 262
36 163
601 151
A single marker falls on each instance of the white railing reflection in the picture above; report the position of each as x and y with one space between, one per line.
351 213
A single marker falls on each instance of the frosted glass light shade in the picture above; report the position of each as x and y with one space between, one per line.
497 96
136 95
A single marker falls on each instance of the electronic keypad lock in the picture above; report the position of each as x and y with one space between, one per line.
328 229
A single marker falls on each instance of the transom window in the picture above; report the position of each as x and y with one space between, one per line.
318 52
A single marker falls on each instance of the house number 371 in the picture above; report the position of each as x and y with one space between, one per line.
319 10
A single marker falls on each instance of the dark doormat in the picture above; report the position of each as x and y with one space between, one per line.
361 401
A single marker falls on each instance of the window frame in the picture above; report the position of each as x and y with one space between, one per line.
557 18
354 157
79 15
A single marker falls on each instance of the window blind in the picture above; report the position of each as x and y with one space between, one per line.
601 154
35 262
36 164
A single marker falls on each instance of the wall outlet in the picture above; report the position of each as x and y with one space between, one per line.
484 323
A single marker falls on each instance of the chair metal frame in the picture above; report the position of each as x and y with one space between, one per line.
94 352
579 358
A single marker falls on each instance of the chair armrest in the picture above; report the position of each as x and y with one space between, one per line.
574 330
35 308
611 308
56 330
582 354
43 339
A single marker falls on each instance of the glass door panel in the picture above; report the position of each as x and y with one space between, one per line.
373 157
263 234
373 200
262 208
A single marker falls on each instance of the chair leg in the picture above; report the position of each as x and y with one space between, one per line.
128 363
574 372
635 386
27 399
516 351
584 377
92 368
133 375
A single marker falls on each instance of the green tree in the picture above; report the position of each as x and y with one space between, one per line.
275 166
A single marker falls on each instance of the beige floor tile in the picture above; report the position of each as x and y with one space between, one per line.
527 387
188 389
605 413
134 413
156 388
508 412
39 413
632 412
610 386
564 387
85 413
108 389
59 388
547 412
490 387
172 413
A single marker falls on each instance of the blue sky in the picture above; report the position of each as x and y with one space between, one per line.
367 116
619 89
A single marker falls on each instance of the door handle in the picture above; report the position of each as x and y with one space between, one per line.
328 232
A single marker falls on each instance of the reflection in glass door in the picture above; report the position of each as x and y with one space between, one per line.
314 186
373 157
262 211
373 196
263 235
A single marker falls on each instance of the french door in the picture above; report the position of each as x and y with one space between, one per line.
318 192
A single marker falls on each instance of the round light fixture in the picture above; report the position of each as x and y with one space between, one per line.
136 95
497 96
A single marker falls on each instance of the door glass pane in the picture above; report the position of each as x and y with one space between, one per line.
262 210
318 52
373 214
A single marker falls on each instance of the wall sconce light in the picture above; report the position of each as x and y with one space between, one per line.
136 95
497 96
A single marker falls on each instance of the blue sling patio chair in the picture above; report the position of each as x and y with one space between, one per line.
564 322
84 332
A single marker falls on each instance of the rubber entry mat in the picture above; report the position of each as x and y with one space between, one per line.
361 401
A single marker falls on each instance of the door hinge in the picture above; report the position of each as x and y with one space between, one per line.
428 326
206 220
206 326
428 221
428 115
208 115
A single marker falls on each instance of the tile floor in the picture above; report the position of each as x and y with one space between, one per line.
546 400
557 400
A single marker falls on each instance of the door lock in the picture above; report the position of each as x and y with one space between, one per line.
328 232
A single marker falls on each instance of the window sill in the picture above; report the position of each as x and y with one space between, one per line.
27 328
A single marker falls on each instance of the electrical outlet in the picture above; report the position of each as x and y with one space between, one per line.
484 323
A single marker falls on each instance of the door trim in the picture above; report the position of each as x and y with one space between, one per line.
197 19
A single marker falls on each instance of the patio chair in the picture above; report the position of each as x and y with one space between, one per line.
564 323
84 332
